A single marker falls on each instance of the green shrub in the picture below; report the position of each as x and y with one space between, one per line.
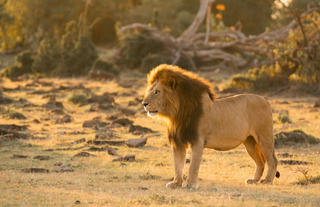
47 58
296 62
152 60
137 45
284 118
107 66
139 50
23 65
78 99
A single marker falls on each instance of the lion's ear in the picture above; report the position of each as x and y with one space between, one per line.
171 83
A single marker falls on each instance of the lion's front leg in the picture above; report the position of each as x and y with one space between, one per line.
197 150
179 156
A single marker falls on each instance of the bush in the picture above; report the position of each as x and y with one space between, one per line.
69 56
78 99
139 50
296 62
136 46
106 66
151 61
23 65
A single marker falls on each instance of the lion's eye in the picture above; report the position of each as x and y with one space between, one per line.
156 92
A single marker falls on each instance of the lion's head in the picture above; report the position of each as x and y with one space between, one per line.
175 94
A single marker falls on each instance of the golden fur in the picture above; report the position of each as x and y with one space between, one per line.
195 117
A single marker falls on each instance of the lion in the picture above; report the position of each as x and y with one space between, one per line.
195 117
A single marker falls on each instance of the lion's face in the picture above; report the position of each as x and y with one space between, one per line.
155 101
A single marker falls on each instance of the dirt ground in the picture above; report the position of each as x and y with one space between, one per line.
55 152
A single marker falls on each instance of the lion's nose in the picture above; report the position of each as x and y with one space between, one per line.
145 104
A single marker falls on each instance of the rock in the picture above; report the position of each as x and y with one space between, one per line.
112 117
97 149
123 122
63 169
36 121
13 127
143 188
294 137
16 115
127 112
42 157
58 163
112 151
104 133
15 156
84 154
105 106
35 170
12 131
285 154
138 130
317 104
57 111
104 98
126 158
136 142
53 104
78 141
94 123
4 99
77 202
103 142
65 119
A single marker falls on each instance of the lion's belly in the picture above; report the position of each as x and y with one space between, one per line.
224 142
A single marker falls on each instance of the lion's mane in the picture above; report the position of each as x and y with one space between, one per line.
183 91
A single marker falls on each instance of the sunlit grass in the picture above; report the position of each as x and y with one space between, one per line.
97 181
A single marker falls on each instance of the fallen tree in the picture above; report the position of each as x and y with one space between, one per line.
209 50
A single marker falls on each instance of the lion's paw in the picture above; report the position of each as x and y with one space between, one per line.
251 181
265 181
173 185
192 186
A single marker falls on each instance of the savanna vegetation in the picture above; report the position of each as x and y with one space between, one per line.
72 78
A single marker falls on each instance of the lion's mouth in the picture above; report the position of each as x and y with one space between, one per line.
152 113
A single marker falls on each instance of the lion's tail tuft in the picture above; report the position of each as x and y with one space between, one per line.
277 174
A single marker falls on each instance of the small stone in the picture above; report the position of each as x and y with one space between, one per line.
77 202
42 157
94 123
35 170
317 104
58 163
78 141
36 121
123 122
136 142
65 119
15 156
112 151
138 130
63 169
84 154
126 158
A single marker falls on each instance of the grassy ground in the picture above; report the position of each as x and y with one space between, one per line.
97 181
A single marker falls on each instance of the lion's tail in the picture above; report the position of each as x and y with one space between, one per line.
277 174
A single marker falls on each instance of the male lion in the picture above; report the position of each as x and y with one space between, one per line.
195 117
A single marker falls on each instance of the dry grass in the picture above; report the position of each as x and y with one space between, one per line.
97 181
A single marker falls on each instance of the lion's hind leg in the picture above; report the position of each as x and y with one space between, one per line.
255 153
267 149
